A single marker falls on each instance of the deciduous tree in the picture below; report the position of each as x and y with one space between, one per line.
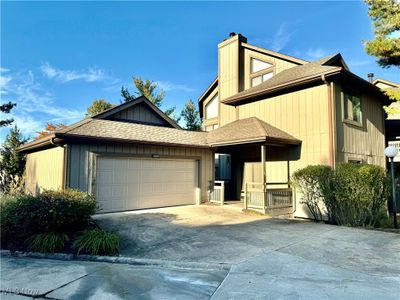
97 107
191 116
50 128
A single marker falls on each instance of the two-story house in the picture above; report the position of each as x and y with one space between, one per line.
265 115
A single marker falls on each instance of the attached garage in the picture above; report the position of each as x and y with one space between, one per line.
130 157
136 183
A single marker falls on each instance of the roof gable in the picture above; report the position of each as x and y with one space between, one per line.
139 110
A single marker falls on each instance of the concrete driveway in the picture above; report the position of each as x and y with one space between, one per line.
270 258
266 259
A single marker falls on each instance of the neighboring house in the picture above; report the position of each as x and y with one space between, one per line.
263 107
392 123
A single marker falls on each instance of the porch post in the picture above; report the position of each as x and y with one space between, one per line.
264 174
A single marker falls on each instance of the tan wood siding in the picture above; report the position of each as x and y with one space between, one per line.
303 114
80 164
365 142
139 113
44 170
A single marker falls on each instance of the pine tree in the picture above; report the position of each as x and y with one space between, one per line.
385 15
12 163
6 108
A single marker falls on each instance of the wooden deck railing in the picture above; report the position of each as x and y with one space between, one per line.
259 199
217 194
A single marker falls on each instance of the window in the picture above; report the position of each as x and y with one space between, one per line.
212 108
260 71
258 65
352 106
261 78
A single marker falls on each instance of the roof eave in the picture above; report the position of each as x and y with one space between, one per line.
281 87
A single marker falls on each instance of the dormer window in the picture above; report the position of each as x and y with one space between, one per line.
260 71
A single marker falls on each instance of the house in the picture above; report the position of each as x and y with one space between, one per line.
392 123
265 115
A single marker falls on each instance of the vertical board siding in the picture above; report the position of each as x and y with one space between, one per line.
44 170
366 142
303 114
79 155
139 113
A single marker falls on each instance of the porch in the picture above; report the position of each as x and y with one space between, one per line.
252 167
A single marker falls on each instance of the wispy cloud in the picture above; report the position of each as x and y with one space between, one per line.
281 38
35 104
316 53
88 75
4 81
169 86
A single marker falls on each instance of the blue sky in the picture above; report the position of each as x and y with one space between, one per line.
57 57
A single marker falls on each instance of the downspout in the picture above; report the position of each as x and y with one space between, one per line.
330 118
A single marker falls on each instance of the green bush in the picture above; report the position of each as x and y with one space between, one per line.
48 242
315 184
361 192
97 242
24 216
353 194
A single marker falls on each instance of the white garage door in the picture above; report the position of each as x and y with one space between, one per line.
129 183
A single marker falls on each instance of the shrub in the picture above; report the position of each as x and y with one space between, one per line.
24 216
97 242
361 191
48 242
353 194
315 184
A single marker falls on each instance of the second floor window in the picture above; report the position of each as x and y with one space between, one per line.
260 71
352 106
212 108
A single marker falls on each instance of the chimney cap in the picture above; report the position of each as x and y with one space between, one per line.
370 77
232 34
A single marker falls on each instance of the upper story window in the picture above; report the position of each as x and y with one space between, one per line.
211 109
260 71
352 106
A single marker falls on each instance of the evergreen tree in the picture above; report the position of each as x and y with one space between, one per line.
6 108
385 15
12 163
191 116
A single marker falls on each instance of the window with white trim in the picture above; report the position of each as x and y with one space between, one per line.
260 71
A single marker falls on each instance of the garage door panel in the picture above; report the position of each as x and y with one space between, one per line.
130 183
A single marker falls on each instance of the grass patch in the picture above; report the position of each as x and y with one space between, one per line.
96 242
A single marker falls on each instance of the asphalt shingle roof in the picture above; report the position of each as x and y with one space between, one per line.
289 75
248 130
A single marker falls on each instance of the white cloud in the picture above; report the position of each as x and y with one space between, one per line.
35 105
316 53
88 75
281 38
169 86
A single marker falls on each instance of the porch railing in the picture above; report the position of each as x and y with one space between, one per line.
217 193
258 198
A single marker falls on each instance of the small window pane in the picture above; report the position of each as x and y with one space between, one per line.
256 80
352 107
258 65
267 76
